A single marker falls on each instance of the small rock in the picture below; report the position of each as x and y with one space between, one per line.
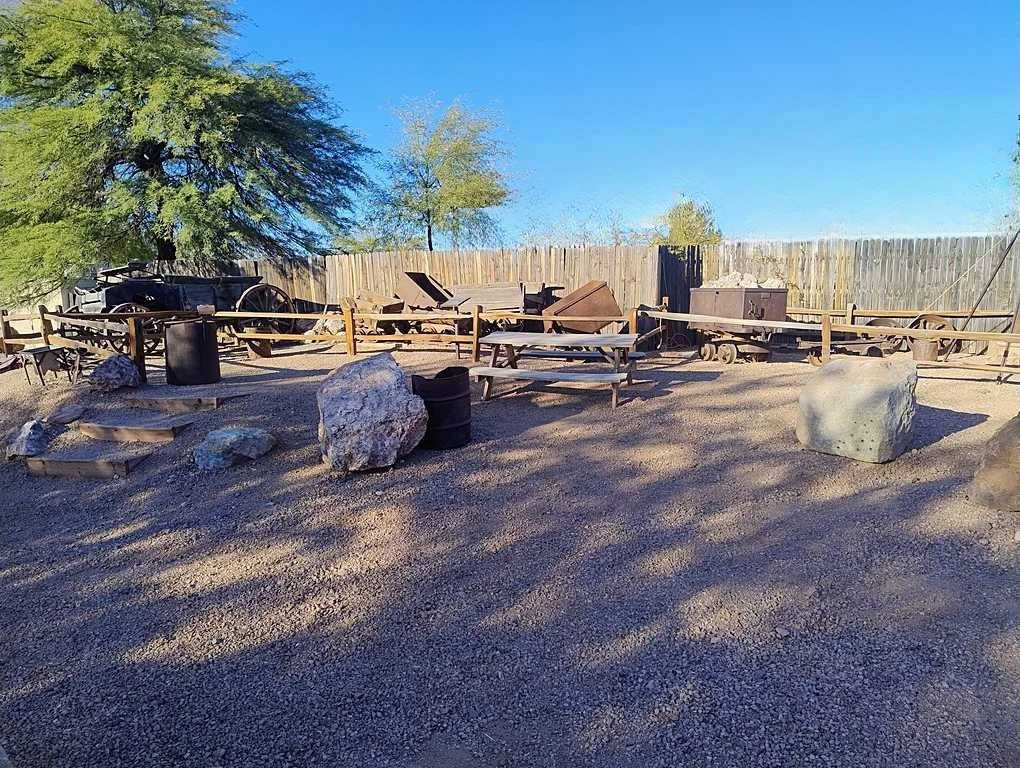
781 632
66 414
115 372
1016 536
223 448
30 441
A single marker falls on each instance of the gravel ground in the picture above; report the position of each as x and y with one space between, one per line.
675 583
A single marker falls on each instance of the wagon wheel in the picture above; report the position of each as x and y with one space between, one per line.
892 343
150 329
935 323
76 332
707 351
727 353
265 298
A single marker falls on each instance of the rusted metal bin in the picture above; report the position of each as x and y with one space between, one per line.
591 299
419 290
926 350
742 303
192 356
447 399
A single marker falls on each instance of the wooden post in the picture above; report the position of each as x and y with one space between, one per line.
136 345
5 330
664 305
632 323
352 344
47 326
826 337
850 309
476 327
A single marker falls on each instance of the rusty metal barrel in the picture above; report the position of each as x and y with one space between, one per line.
192 356
447 399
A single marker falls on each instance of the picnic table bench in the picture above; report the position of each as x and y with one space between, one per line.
612 348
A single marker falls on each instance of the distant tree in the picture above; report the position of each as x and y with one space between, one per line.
443 178
688 222
127 132
580 226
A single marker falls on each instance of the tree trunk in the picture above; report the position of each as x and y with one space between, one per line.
166 250
428 234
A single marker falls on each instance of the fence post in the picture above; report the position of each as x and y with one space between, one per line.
5 329
632 322
850 309
826 337
352 344
664 305
46 325
476 327
136 345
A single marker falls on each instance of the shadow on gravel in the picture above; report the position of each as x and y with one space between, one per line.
675 583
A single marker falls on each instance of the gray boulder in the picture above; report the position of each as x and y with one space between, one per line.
860 408
115 372
368 416
223 448
31 440
66 414
997 482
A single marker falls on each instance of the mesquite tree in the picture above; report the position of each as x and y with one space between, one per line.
126 132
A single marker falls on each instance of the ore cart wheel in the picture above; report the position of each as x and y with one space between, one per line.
935 323
264 298
150 329
893 343
707 351
727 353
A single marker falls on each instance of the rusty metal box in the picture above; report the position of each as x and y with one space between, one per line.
743 303
594 299
419 290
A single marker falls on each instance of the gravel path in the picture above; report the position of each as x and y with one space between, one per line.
675 583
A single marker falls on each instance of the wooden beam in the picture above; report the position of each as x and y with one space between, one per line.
771 324
925 333
110 467
136 345
59 341
826 338
476 329
897 313
96 325
47 328
5 331
352 342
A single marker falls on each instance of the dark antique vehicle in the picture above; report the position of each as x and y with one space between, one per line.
133 288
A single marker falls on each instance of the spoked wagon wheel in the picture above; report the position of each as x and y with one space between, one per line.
935 323
150 329
265 298
76 332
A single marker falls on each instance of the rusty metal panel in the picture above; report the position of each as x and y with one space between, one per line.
591 299
419 290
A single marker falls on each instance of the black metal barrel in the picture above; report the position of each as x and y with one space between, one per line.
447 398
192 356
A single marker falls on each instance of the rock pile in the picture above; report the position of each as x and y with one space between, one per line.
743 280
115 372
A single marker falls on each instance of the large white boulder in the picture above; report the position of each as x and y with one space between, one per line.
860 408
368 416
31 440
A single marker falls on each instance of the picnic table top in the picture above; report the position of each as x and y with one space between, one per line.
525 339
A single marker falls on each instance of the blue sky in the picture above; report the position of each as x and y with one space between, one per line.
791 119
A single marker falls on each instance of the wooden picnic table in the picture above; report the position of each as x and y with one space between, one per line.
616 349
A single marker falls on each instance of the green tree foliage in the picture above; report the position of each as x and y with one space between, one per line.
688 222
126 132
443 177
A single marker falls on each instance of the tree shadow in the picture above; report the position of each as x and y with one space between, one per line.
679 584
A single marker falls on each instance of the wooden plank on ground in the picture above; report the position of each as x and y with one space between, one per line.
174 404
154 432
50 466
